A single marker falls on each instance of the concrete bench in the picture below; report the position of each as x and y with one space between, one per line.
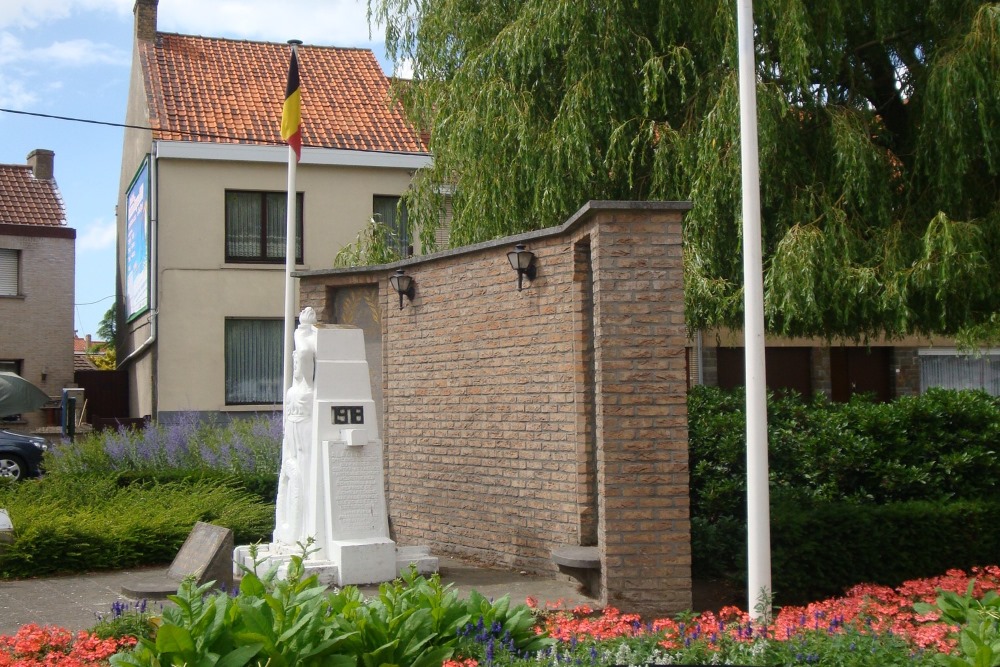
582 564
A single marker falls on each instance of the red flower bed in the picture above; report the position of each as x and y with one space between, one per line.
50 646
866 607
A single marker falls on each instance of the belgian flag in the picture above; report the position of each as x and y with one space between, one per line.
291 114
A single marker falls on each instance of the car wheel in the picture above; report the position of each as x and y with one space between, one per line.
11 466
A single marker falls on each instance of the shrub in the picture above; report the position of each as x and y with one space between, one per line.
244 447
825 548
75 523
847 481
413 621
937 446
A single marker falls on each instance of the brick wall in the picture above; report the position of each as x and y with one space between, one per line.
822 381
516 422
38 324
906 367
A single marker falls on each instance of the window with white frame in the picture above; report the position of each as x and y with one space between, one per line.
948 369
256 224
10 270
254 372
390 210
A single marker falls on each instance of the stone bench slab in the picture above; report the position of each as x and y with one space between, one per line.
584 558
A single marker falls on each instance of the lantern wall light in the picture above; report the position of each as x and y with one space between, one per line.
522 260
403 284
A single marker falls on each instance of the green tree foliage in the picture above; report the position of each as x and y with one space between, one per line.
107 328
878 130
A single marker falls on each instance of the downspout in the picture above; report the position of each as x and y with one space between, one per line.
153 269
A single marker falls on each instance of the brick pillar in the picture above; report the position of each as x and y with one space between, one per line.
906 367
641 423
822 379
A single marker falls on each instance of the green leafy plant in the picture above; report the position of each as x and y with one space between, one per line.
978 623
413 621
277 621
515 625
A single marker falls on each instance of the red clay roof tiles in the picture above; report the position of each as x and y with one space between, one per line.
26 200
232 91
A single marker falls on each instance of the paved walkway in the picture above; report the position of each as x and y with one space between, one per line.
75 602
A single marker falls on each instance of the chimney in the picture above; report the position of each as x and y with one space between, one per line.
41 161
145 20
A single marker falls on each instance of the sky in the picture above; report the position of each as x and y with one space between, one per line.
72 57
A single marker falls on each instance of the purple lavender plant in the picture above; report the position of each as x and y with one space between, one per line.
242 453
148 446
117 445
178 436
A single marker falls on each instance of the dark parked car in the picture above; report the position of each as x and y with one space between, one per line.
21 455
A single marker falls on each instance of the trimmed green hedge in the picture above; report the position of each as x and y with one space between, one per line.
76 524
940 445
262 485
861 491
820 551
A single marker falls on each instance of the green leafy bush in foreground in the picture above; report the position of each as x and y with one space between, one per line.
414 621
75 523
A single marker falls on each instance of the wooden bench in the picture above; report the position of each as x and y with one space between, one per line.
582 564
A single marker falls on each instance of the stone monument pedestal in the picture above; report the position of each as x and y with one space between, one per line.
354 558
340 477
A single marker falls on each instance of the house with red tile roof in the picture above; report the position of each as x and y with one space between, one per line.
202 205
85 351
37 261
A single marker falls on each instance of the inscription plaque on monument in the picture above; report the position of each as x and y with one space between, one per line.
348 414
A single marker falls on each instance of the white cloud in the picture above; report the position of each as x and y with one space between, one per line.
80 52
321 22
32 13
69 53
99 235
14 95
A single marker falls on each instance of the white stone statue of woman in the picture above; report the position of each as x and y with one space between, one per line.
296 444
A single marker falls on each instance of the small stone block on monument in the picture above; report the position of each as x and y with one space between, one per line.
364 561
207 555
416 556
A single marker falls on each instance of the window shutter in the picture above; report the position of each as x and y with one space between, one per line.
9 271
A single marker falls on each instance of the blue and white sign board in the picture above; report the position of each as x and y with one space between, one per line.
137 244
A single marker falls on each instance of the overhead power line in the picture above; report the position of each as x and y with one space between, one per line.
190 133
91 303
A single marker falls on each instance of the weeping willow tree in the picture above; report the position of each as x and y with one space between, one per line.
879 132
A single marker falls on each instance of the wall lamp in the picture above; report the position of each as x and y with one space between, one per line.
523 261
403 284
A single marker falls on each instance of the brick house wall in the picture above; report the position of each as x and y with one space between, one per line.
517 422
38 323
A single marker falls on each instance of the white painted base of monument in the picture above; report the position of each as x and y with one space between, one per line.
331 491
361 562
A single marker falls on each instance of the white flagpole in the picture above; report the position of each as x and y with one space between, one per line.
289 267
292 201
758 504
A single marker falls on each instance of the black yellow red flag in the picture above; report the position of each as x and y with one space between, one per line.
291 114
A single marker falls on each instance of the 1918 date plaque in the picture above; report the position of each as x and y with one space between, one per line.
348 414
